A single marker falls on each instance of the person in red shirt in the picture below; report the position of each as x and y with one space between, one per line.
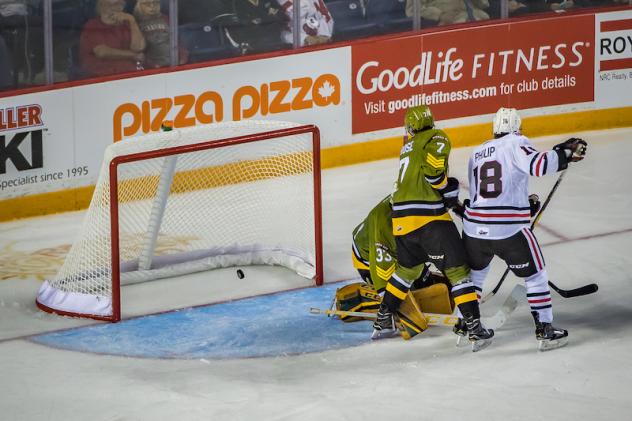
111 43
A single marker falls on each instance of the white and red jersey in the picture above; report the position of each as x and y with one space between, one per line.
315 20
498 173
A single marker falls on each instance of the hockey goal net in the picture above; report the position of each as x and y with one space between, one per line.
188 200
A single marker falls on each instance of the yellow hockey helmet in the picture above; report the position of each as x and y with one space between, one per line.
418 118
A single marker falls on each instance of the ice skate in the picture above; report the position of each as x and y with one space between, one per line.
384 326
460 330
548 336
479 336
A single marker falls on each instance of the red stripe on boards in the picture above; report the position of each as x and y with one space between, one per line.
616 64
616 25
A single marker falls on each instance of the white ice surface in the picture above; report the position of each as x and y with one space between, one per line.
586 236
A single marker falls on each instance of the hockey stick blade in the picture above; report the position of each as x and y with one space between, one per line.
575 292
510 304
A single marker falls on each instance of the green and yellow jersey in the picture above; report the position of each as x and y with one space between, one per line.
423 171
374 245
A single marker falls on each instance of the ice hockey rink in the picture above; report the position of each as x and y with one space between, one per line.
237 350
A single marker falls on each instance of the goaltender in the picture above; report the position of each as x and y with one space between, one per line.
375 258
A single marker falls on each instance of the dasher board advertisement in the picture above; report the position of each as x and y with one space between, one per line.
613 65
474 71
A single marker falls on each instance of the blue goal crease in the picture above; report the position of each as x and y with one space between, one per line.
263 326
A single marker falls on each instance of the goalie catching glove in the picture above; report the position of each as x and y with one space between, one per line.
357 297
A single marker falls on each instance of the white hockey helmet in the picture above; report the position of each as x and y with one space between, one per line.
506 121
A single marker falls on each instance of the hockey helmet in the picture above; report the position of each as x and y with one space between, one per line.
506 121
418 118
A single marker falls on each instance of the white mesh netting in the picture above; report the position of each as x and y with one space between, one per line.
250 203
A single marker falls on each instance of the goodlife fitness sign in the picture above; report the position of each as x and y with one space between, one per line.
474 71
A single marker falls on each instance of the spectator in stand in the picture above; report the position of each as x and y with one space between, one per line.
6 66
155 28
23 38
317 25
112 42
445 12
260 25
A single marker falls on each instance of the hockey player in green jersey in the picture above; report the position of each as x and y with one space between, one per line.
423 228
374 255
373 246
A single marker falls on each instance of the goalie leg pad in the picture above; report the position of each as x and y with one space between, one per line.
410 320
434 299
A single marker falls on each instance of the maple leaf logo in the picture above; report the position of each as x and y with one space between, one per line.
326 90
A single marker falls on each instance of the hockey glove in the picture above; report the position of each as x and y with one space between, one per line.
574 149
459 210
450 193
534 204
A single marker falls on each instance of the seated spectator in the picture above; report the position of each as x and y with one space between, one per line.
155 28
260 23
24 39
6 66
112 42
445 12
317 24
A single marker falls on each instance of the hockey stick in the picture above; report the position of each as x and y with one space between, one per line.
433 319
510 304
447 320
575 292
533 224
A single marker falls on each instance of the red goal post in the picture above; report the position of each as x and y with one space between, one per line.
194 199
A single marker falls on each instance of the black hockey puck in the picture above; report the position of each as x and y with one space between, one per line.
240 274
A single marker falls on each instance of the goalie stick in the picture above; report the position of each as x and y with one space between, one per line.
446 320
433 319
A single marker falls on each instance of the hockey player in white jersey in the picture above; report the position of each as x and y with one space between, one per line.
497 215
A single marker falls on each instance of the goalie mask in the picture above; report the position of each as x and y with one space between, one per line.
506 121
418 118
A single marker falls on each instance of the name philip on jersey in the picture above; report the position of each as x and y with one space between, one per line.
485 153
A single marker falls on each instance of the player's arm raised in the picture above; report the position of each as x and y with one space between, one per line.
538 164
